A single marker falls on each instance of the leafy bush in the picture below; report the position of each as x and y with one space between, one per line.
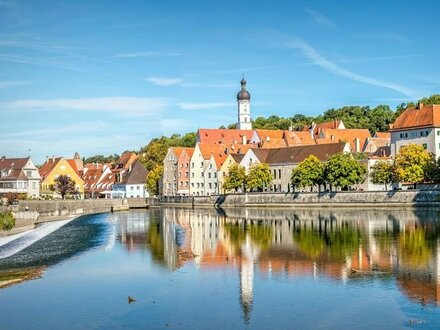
7 220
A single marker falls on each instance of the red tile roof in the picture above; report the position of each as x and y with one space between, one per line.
48 166
14 167
422 116
294 138
346 135
383 135
223 136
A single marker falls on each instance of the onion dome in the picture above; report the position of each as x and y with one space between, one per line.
243 94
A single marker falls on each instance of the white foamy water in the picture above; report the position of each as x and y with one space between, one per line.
11 245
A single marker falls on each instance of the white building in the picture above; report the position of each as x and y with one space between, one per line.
133 183
420 125
19 175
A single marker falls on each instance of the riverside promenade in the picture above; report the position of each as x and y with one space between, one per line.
350 199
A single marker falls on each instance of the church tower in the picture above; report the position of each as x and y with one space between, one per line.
244 107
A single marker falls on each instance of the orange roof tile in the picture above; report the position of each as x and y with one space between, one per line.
383 135
273 143
346 135
269 133
222 136
48 166
422 116
177 151
294 138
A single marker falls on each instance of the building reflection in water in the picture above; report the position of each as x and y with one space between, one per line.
347 245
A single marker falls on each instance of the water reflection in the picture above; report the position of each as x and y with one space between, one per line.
347 245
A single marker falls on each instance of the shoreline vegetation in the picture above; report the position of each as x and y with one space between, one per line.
15 276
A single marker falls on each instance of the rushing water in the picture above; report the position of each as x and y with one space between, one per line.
241 268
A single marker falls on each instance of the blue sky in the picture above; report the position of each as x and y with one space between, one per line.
105 76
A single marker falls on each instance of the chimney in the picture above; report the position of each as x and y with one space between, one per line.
3 157
226 151
244 139
383 153
332 137
420 105
53 159
357 144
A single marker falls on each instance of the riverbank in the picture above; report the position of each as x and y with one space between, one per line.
352 199
29 213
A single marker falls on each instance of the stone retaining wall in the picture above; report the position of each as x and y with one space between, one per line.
330 199
68 207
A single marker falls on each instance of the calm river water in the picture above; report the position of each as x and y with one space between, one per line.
209 269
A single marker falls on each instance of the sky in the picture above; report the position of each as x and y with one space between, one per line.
101 77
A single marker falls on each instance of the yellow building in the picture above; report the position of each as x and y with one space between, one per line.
224 170
56 166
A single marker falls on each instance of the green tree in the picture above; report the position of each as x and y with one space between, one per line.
259 177
101 159
433 99
153 178
411 162
155 151
382 173
308 173
341 170
432 171
235 179
64 185
7 220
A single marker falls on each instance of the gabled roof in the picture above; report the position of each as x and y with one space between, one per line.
14 167
189 151
221 151
273 143
371 145
383 135
223 136
137 174
237 157
269 133
177 151
126 159
334 124
382 152
422 116
74 164
294 138
294 155
48 166
346 135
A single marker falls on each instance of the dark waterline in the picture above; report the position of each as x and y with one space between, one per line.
253 268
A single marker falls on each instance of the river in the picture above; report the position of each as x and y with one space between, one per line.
236 268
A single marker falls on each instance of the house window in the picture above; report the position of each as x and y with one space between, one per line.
401 135
426 133
425 145
180 174
192 174
192 164
131 188
209 175
29 174
438 132
279 174
138 188
215 174
421 133
192 184
201 164
406 135
186 174
210 185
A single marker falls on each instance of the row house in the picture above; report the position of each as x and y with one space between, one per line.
420 125
283 160
19 175
176 174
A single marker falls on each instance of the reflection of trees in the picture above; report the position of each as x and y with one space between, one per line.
337 242
156 241
414 249
260 235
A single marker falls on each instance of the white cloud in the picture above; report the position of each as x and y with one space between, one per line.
326 64
8 84
161 81
321 19
204 106
150 53
120 105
